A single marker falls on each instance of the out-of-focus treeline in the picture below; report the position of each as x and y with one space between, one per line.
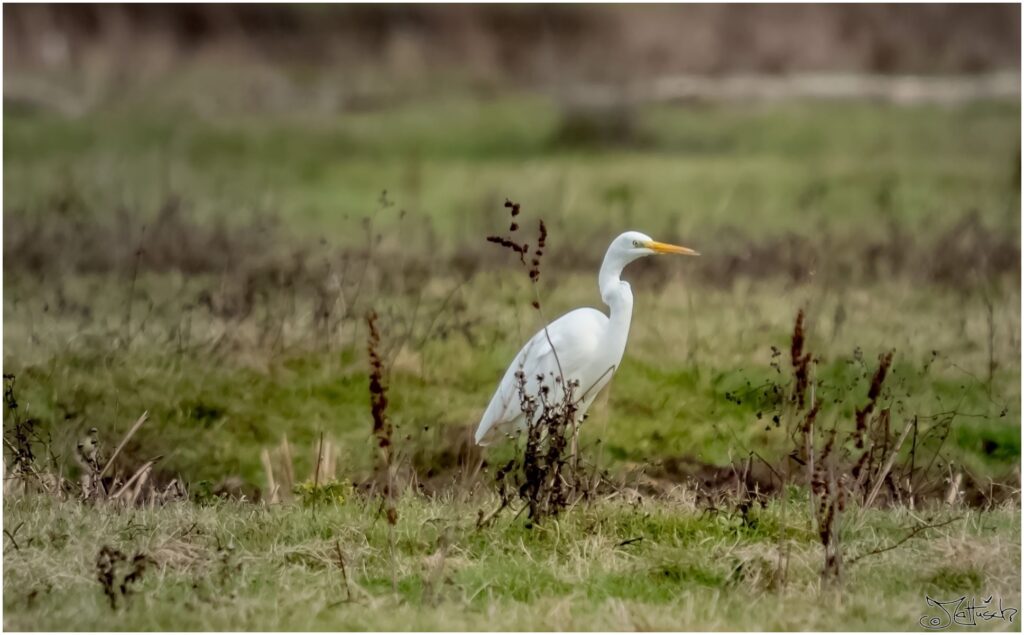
523 43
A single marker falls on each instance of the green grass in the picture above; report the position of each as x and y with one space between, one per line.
96 346
211 413
765 169
235 566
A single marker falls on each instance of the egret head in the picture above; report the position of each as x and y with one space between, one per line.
632 245
625 249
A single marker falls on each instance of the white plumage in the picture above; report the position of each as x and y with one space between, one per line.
586 344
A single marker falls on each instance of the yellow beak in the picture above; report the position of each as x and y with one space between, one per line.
665 248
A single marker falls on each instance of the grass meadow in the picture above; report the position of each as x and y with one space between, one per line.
212 266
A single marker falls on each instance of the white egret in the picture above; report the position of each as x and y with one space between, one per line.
583 346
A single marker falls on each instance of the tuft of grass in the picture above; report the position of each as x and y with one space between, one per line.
959 580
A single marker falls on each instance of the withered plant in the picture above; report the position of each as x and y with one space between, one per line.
18 439
852 461
99 482
117 575
382 434
829 501
547 476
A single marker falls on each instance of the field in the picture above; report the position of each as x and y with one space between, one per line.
646 566
212 266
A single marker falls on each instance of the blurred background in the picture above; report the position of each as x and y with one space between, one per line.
527 45
203 201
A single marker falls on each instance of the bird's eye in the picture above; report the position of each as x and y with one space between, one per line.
636 243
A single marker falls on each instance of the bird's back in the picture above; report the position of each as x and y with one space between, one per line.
576 338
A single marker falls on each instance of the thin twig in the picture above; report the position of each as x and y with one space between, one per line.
288 465
444 305
131 291
880 478
142 482
269 469
138 424
899 542
11 536
319 458
138 473
30 467
809 443
543 319
316 474
344 571
485 520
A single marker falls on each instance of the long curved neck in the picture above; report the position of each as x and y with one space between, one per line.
616 294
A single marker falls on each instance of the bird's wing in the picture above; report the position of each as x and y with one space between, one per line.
573 337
